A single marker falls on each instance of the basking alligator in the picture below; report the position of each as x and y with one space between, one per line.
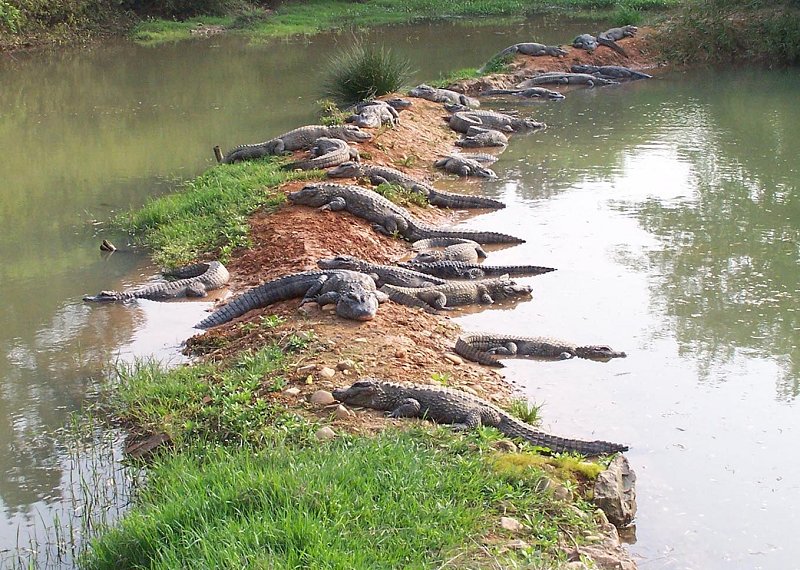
443 96
383 174
387 217
376 113
455 249
530 93
353 293
610 71
461 270
486 348
480 137
327 153
559 78
616 34
586 42
464 166
532 49
297 139
462 410
386 274
457 293
192 281
462 121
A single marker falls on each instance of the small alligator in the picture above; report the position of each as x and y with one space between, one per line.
192 281
532 49
354 294
530 93
297 139
610 71
443 96
386 274
486 348
463 166
375 113
461 410
327 153
455 249
559 78
387 217
462 121
480 137
383 174
457 293
461 270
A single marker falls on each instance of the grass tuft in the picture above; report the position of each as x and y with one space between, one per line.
362 72
400 195
527 411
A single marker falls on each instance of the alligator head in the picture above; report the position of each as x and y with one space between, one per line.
349 169
399 103
340 262
598 352
310 195
357 304
510 289
353 133
367 393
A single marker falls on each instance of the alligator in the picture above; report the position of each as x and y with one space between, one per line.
464 166
480 137
455 249
327 153
382 274
585 41
383 174
462 121
461 270
457 293
616 34
559 78
443 96
191 281
486 348
374 114
354 294
463 411
387 217
530 93
532 49
610 71
297 139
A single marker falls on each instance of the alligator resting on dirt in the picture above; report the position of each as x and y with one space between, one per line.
296 139
378 174
386 217
192 281
476 137
457 293
461 122
464 166
486 348
461 410
354 294
455 249
460 270
326 152
610 71
382 274
530 93
563 78
443 96
375 113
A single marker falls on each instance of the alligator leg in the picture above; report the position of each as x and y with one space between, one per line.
508 349
312 293
484 296
336 204
436 299
407 408
328 298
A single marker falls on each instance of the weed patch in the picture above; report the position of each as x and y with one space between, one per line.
360 73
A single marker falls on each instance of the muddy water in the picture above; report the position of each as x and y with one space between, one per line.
671 209
87 133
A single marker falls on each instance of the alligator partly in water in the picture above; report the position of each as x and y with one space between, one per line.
476 137
457 293
462 270
463 120
386 274
615 72
464 166
455 249
564 78
487 348
529 93
461 410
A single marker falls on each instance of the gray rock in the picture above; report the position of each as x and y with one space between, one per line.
325 434
615 492
322 398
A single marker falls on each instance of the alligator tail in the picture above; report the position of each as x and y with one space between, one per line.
458 201
613 45
475 235
515 428
515 270
465 349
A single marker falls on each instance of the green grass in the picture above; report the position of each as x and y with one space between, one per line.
156 31
209 214
401 195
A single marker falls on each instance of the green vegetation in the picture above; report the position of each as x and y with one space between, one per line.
401 195
361 72
526 410
721 31
209 214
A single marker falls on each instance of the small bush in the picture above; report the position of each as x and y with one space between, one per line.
364 72
10 17
626 15
249 17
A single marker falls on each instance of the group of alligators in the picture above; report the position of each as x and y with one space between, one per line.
445 272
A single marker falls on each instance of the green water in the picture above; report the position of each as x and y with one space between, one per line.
670 208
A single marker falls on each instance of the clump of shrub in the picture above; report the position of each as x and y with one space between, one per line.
10 17
364 72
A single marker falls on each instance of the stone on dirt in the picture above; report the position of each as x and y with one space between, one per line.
615 492
322 398
325 434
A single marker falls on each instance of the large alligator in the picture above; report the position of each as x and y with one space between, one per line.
532 49
455 249
457 293
443 96
476 137
586 42
486 348
327 152
463 166
296 139
191 281
387 217
462 270
616 34
462 410
463 120
375 113
563 78
386 274
354 294
610 71
378 174
530 93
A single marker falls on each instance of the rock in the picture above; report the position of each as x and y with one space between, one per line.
346 364
327 372
511 524
505 445
308 368
322 398
308 309
292 391
615 492
341 412
399 353
325 434
455 359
